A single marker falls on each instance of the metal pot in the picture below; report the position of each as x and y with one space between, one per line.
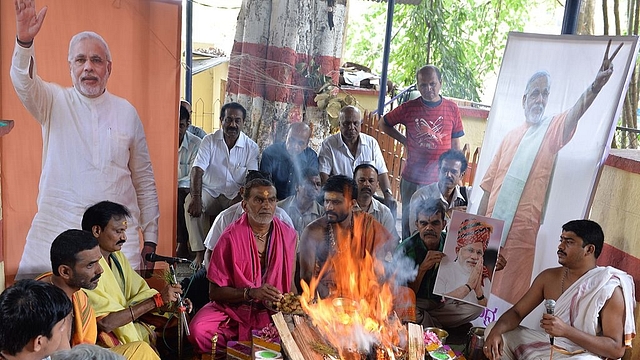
475 342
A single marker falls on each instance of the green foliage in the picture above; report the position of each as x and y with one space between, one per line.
464 38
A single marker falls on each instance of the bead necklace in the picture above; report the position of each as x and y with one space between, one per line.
261 237
564 276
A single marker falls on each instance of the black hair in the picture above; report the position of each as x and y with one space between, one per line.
342 184
67 245
455 155
252 184
309 172
101 213
29 309
184 113
589 231
364 166
256 174
232 105
430 207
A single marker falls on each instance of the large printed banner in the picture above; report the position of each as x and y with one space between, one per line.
551 121
144 39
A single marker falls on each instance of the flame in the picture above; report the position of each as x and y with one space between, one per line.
358 313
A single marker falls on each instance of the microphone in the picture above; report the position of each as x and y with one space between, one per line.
153 257
550 305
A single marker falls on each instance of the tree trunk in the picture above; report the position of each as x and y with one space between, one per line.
627 139
272 37
585 18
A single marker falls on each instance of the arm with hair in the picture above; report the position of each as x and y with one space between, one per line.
143 180
195 207
512 318
589 95
609 344
253 156
35 94
455 144
391 131
325 160
430 261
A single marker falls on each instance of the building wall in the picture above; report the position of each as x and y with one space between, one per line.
144 39
208 96
616 209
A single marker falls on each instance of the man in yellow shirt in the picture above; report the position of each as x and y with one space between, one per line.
75 257
122 296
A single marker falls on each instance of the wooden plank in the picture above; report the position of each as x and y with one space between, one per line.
305 337
416 349
287 339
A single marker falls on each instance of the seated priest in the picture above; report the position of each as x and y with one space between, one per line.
252 264
594 306
122 296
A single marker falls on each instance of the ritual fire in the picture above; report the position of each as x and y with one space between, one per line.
357 316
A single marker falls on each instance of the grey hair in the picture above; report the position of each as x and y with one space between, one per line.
86 352
534 77
88 35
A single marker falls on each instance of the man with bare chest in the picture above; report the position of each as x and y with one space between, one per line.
593 316
361 232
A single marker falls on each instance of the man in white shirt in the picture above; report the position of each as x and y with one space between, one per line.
451 167
94 146
218 172
187 150
340 153
366 176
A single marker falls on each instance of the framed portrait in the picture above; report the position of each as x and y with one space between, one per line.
471 248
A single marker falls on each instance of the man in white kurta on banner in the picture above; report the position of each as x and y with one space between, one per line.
94 146
517 182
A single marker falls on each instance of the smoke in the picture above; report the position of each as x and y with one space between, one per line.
401 269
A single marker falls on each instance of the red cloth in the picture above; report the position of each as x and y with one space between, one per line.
235 263
429 132
473 231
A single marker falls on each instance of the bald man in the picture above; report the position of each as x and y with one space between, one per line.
342 152
286 161
433 125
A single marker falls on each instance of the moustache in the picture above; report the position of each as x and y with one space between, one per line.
561 252
96 277
430 233
330 213
121 242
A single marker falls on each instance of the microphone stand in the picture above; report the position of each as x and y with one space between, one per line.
182 312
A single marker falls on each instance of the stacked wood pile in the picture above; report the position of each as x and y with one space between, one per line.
302 341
